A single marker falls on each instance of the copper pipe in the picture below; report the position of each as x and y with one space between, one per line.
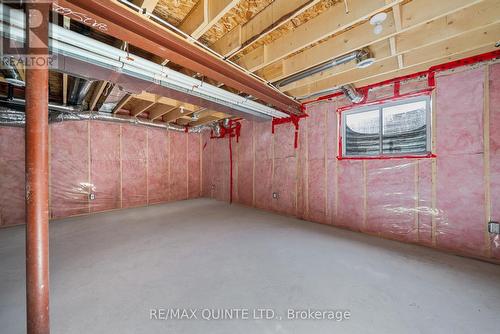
37 169
124 24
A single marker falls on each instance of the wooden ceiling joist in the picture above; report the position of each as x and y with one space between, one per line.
477 17
269 19
173 115
396 13
160 110
141 107
164 100
213 116
424 66
362 36
477 39
122 102
204 15
98 90
328 23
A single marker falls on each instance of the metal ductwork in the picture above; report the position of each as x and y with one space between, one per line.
349 91
363 57
78 89
12 114
82 56
114 97
217 129
352 94
11 73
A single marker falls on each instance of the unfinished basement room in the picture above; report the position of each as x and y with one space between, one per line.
250 166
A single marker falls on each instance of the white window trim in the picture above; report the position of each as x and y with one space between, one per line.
380 107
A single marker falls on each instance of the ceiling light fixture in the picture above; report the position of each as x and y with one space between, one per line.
364 58
377 21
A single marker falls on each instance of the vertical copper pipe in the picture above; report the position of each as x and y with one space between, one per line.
37 187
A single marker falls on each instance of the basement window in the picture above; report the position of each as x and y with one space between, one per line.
399 128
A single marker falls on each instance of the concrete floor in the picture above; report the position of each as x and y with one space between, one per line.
108 270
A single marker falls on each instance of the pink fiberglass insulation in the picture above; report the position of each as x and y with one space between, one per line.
244 178
459 103
69 169
120 165
134 166
391 199
263 165
460 203
207 162
283 141
331 131
316 182
178 166
380 93
263 184
158 158
284 170
316 131
494 106
437 202
263 141
245 142
331 191
105 166
194 182
284 185
424 208
316 163
350 188
12 208
302 170
460 167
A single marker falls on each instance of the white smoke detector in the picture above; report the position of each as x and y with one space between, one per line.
377 21
181 110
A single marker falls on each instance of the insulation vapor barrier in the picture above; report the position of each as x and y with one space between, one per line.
443 201
12 117
98 166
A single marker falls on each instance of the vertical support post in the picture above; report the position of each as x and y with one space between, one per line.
37 187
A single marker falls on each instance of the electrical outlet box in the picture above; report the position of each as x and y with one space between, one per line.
276 195
91 196
494 227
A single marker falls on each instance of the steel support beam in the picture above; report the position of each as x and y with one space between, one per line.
37 170
117 20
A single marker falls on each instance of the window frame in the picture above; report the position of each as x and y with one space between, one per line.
380 106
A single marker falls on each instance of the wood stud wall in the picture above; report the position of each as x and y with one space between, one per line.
428 225
79 200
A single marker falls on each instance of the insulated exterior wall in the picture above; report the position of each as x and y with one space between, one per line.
440 202
105 164
179 167
122 165
12 205
158 166
134 172
69 169
494 148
